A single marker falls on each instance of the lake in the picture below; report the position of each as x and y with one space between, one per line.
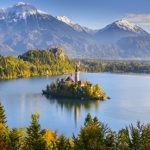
129 103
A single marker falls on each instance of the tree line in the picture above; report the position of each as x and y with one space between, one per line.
116 66
35 63
54 61
93 135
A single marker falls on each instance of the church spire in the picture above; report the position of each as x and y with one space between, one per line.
77 78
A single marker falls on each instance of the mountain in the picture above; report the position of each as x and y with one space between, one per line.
24 27
69 22
74 25
90 31
119 29
135 47
124 40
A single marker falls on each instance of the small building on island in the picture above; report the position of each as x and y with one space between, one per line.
73 87
75 78
70 78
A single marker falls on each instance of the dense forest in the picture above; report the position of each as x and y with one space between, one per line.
93 135
116 66
35 63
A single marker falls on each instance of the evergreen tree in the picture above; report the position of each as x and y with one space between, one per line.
69 144
61 142
90 136
16 139
123 139
88 120
64 143
4 137
96 121
2 115
34 135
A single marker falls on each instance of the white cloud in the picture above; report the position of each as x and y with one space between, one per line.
142 20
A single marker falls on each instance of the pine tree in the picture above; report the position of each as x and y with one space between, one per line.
2 114
90 136
61 142
4 137
34 135
16 139
88 120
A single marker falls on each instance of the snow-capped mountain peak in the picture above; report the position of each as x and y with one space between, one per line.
71 23
66 20
75 26
42 12
21 4
124 24
22 11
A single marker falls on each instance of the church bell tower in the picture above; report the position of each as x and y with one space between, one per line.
77 78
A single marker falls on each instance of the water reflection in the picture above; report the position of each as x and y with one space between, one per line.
130 101
74 105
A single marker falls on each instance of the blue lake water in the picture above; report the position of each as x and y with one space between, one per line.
129 103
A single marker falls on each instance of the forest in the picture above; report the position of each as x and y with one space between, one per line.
35 63
115 66
55 62
93 135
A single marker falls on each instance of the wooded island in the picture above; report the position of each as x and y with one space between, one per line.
73 87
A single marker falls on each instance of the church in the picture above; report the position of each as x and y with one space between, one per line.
75 78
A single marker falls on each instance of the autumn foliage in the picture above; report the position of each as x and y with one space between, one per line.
94 135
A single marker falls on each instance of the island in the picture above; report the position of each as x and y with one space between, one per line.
74 88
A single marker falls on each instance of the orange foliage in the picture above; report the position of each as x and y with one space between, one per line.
48 135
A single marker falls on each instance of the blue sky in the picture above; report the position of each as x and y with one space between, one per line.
94 13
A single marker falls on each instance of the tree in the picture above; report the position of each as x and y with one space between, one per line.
123 139
145 138
110 139
34 135
2 115
90 136
88 120
16 139
49 139
135 135
69 144
4 137
61 142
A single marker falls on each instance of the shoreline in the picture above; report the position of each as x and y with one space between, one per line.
117 73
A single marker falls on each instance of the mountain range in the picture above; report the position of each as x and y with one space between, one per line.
24 27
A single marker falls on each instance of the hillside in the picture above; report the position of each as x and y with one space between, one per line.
35 63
